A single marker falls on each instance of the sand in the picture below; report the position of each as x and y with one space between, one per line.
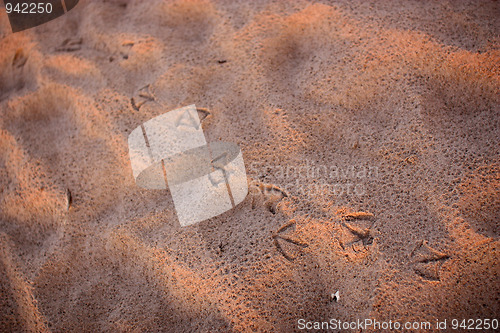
389 108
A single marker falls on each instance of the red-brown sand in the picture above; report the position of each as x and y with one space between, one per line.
385 107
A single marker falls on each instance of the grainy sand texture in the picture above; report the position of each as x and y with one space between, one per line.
371 139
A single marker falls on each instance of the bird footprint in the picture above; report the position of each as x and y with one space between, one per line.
143 96
427 261
359 225
70 45
279 237
268 195
19 59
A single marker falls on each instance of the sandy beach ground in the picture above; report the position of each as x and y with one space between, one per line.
378 119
